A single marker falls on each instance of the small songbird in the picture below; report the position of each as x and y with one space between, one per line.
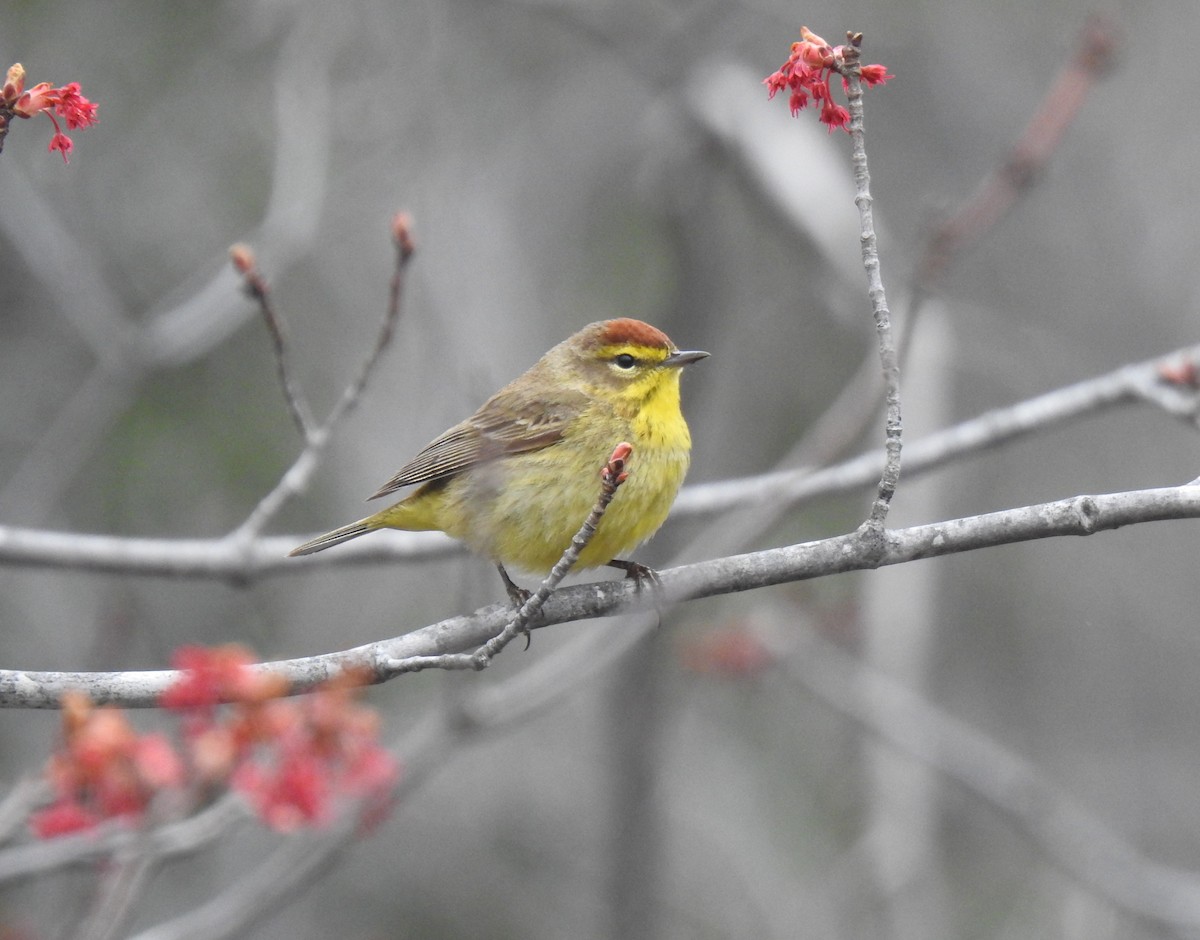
516 480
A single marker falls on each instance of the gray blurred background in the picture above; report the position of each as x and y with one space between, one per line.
566 162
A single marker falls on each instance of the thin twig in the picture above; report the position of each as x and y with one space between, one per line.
296 477
612 475
844 421
889 361
257 289
405 247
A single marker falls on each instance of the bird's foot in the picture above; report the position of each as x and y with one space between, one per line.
517 595
639 573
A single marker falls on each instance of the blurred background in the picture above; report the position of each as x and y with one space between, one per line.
568 161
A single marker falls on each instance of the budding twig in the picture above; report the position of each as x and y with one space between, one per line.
850 68
405 248
255 285
297 475
612 475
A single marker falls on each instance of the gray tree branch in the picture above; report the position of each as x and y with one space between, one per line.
1079 515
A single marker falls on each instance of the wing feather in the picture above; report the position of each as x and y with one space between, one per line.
511 422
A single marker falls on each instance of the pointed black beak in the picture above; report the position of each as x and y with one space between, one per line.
683 357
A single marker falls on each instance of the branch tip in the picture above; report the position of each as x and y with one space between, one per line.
1098 49
402 234
244 261
614 473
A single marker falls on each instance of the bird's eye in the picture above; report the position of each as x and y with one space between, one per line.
625 361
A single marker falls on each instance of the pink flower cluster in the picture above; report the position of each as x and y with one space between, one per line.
44 98
291 759
104 770
806 75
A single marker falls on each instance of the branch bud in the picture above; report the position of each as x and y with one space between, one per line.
242 256
402 234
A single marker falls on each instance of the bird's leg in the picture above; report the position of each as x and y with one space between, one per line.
639 573
518 595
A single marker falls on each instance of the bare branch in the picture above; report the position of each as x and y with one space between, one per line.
256 287
1079 515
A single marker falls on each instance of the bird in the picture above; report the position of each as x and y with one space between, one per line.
516 480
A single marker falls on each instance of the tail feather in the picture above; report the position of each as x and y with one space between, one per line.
336 537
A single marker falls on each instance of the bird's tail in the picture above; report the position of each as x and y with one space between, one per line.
336 537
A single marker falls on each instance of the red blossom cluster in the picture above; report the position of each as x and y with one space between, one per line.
44 98
311 753
291 759
806 74
104 770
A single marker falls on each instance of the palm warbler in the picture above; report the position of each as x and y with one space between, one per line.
516 480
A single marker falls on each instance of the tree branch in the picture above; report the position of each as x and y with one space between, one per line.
1079 515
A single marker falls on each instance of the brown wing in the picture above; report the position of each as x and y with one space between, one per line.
510 422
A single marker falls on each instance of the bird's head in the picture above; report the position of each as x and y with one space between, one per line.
626 358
